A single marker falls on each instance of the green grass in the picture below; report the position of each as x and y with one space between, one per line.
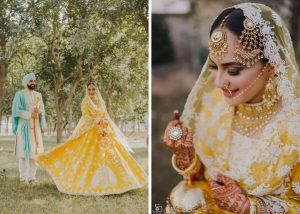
16 198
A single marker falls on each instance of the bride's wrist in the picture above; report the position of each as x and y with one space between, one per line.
184 159
191 169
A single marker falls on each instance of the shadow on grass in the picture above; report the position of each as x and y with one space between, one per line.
12 188
44 197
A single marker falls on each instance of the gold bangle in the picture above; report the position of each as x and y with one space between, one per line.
192 169
253 205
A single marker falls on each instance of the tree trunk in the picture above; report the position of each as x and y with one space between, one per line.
59 127
3 69
3 75
7 124
48 128
61 104
70 120
54 128
144 20
108 104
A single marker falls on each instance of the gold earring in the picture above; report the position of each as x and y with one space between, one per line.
249 48
218 42
270 95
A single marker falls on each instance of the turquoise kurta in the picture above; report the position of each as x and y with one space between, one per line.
21 120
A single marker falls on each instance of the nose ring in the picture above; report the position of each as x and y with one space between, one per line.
226 86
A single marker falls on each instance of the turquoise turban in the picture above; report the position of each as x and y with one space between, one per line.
27 78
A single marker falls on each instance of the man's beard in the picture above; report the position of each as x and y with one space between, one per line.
31 87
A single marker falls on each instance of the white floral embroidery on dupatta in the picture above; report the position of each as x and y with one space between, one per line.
296 187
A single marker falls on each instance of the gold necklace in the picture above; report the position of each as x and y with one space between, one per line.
250 118
95 101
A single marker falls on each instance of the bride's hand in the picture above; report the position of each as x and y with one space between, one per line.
105 121
183 147
228 195
97 121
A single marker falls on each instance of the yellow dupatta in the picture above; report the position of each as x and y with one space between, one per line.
90 112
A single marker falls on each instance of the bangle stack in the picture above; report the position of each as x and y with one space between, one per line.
191 170
257 206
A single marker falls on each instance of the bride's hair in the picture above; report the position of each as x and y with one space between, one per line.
234 23
91 83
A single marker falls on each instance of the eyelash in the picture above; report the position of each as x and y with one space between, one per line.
231 73
234 73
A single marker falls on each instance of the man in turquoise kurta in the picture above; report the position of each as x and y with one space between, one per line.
28 123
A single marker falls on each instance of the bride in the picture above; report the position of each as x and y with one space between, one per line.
237 143
95 159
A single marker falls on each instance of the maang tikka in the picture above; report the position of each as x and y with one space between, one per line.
249 48
218 42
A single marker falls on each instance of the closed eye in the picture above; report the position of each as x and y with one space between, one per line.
234 73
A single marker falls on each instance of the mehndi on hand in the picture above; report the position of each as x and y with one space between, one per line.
228 195
183 147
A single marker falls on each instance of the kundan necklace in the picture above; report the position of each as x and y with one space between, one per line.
250 118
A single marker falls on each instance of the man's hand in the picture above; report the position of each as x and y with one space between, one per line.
35 115
97 121
36 110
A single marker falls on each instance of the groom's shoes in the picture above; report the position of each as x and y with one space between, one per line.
33 182
3 174
24 181
27 181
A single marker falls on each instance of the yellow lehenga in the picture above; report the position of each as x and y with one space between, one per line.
95 159
267 167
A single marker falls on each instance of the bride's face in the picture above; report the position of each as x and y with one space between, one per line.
91 90
239 77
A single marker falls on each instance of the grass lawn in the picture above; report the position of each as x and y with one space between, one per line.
16 198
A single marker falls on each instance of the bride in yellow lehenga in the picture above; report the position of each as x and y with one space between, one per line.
237 143
95 159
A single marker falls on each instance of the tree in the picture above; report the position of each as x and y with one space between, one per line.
12 32
68 43
162 47
78 38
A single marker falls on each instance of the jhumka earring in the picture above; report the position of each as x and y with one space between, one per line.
249 48
270 96
218 42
